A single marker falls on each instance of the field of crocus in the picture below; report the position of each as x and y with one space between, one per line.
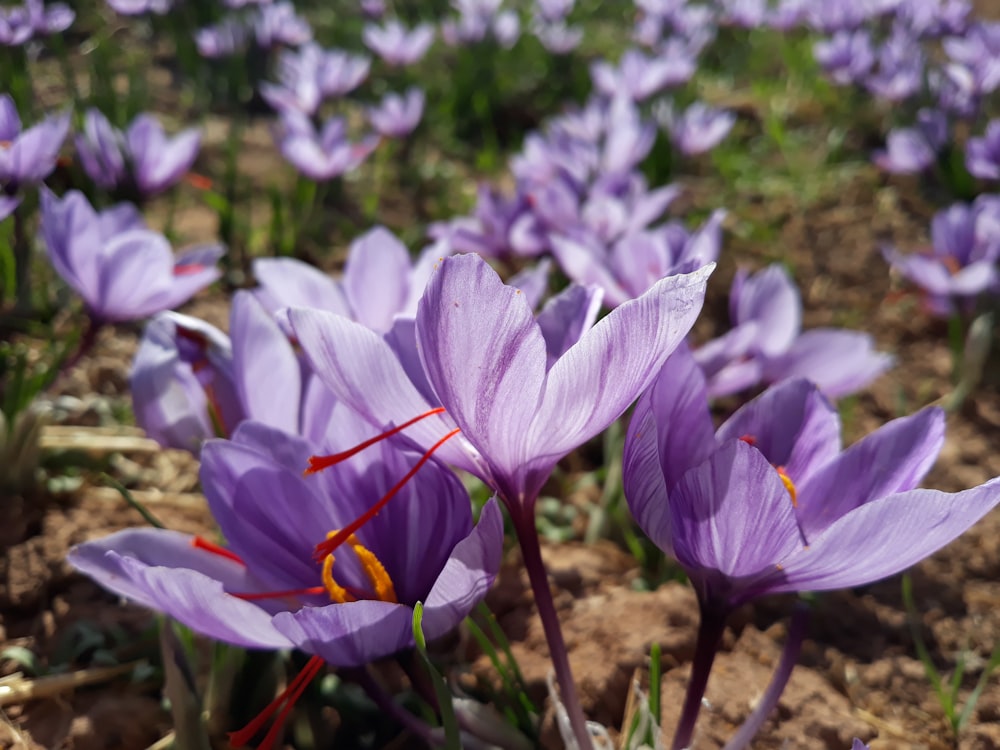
499 374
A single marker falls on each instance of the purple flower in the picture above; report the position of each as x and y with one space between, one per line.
769 503
27 156
379 283
766 342
224 39
279 24
140 7
323 154
556 36
554 10
847 56
478 19
699 128
639 259
961 263
122 270
639 77
483 357
266 591
397 116
396 45
140 159
500 227
982 155
20 23
310 75
901 65
974 56
912 150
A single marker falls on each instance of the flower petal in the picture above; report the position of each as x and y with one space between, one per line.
643 476
892 459
376 278
885 536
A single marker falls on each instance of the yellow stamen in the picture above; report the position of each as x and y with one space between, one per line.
370 564
789 485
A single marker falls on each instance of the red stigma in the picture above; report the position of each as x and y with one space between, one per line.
318 463
285 702
188 269
198 181
202 543
254 596
327 547
749 440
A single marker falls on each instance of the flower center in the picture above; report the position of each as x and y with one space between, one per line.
782 474
382 587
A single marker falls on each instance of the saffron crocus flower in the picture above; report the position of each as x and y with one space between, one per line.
699 128
352 606
121 269
639 76
766 342
770 504
961 262
982 154
557 37
310 75
140 7
485 357
397 116
636 261
379 283
323 154
847 56
27 156
396 44
279 25
141 160
912 150
191 382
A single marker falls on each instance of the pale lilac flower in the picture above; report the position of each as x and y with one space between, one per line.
556 36
901 64
322 154
121 269
912 150
847 56
396 44
767 344
279 24
140 159
976 54
397 116
699 128
554 10
639 76
962 261
140 7
27 156
223 39
982 154
310 75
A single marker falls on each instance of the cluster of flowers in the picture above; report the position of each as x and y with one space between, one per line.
19 24
936 59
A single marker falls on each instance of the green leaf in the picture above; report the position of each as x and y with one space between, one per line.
452 739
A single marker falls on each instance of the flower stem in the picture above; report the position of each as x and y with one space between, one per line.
710 629
531 552
387 705
767 702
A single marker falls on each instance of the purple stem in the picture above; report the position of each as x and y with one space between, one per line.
710 629
790 654
387 705
531 552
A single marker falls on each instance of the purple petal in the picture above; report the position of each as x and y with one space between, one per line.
598 378
163 570
567 316
771 298
376 278
885 536
287 282
894 458
839 361
792 424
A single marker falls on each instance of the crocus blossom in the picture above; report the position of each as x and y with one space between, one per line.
311 75
140 7
27 156
982 154
483 357
766 342
912 150
639 76
961 262
769 503
121 269
321 154
266 591
396 116
699 128
396 44
142 159
379 282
